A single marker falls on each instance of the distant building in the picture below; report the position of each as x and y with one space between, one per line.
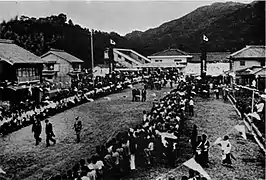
20 73
60 66
18 64
247 57
101 70
128 59
217 64
212 57
248 65
170 58
213 69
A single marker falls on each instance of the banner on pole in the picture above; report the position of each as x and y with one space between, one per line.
192 164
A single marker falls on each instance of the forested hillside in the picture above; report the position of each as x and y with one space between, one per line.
39 35
229 26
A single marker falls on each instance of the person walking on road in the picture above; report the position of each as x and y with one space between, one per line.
49 133
143 95
193 139
77 128
205 150
226 151
37 130
191 107
198 155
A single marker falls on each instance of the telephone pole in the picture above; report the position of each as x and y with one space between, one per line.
92 57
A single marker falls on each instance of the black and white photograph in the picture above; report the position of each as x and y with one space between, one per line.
133 89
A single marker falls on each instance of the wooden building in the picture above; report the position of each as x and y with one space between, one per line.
19 71
60 66
169 58
18 65
248 66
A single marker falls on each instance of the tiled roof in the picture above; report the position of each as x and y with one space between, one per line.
250 70
211 57
171 52
15 54
64 55
102 65
250 52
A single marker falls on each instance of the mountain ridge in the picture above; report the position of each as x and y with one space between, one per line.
186 32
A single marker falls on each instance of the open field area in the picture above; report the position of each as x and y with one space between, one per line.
102 119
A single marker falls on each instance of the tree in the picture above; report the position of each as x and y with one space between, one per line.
62 18
70 22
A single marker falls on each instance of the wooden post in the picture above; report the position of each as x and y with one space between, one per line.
252 103
92 57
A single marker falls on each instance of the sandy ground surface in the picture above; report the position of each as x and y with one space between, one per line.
216 118
102 119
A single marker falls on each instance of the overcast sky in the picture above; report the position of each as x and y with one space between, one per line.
119 16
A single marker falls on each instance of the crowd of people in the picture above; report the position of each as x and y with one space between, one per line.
27 113
153 141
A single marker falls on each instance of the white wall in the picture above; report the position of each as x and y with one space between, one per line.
248 63
169 59
214 69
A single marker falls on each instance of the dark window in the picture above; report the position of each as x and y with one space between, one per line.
36 72
263 62
242 63
177 60
119 56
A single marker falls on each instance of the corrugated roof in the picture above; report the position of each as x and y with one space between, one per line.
211 57
64 55
250 52
15 54
171 52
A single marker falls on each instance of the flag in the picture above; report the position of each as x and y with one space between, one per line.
192 164
242 130
205 38
112 42
2 171
255 115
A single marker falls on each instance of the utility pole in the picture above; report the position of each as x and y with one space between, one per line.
92 57
203 58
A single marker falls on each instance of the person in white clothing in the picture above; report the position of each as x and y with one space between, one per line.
191 107
144 116
226 151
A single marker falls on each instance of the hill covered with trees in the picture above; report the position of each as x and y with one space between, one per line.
39 35
229 27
